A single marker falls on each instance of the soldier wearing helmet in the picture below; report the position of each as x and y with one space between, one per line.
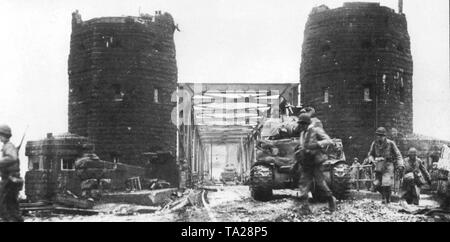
310 156
386 156
415 176
11 182
315 122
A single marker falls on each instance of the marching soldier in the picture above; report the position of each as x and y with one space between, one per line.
385 154
11 182
310 155
415 176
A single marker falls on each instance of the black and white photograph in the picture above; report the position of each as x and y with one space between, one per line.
249 111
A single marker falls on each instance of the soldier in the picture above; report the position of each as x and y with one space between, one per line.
415 176
11 182
312 113
385 154
310 155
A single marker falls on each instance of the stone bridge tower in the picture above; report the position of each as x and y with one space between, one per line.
122 73
357 72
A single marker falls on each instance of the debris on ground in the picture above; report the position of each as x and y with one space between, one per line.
189 198
154 184
234 204
93 175
72 201
125 209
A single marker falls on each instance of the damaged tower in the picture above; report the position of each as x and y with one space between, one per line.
357 72
122 74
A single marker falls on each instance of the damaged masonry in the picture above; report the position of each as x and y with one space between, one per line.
143 146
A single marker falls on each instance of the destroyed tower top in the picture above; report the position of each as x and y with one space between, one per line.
159 19
357 6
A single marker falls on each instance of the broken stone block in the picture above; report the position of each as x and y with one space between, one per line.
161 196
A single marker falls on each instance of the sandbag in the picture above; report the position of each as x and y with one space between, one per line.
86 174
91 161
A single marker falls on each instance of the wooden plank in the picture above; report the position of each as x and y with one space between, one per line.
73 202
38 208
36 204
77 211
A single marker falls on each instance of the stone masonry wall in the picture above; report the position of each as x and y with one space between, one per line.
116 66
347 51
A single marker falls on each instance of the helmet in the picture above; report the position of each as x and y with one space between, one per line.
5 130
381 131
309 110
412 151
304 118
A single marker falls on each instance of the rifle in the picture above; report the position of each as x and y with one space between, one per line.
21 141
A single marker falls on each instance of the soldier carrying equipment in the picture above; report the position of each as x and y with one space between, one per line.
386 156
11 182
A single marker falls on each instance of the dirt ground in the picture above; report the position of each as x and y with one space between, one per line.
234 204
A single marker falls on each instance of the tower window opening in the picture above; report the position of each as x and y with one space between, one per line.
367 94
156 95
118 93
326 95
402 94
402 91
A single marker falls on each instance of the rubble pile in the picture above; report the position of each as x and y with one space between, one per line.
92 173
182 200
353 211
154 184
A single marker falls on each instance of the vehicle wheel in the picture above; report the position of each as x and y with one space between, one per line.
340 181
261 182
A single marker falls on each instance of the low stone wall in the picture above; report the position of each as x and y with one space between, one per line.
44 184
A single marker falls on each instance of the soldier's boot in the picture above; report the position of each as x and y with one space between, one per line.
382 190
388 195
332 203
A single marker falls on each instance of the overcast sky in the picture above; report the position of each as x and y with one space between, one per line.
220 41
